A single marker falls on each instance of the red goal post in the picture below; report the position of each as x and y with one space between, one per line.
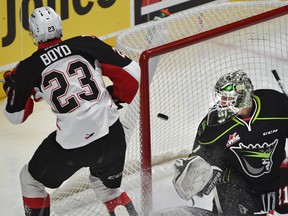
181 57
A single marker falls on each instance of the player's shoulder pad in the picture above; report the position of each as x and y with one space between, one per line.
273 98
89 36
269 94
81 37
202 126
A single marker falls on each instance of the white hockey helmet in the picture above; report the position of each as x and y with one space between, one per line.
44 25
233 92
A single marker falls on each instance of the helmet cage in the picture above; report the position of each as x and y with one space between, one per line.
233 92
227 100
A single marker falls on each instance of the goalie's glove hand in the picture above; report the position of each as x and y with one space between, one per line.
115 100
9 82
194 176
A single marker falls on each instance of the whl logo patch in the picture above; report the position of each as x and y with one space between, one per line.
232 139
255 160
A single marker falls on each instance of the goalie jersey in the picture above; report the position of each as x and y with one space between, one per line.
68 76
254 147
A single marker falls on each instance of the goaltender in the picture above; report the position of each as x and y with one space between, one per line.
239 152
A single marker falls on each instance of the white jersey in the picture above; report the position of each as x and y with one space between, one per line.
69 77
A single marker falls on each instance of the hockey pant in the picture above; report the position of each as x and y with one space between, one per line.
51 165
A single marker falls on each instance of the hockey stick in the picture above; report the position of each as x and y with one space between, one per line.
281 85
2 81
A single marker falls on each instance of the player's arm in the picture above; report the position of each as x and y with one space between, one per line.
17 106
199 149
122 71
206 144
125 85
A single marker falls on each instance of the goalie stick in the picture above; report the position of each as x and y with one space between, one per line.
280 83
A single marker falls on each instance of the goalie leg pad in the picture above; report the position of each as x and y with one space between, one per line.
194 176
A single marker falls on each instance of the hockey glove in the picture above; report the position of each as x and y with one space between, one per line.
9 82
194 176
116 100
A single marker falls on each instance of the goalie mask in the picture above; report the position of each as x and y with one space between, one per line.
232 92
44 25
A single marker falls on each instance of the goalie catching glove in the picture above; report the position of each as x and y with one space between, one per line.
194 176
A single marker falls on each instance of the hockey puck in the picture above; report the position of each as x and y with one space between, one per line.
162 116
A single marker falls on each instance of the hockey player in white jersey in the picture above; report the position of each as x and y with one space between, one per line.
68 76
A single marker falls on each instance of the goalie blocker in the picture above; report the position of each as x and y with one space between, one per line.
194 176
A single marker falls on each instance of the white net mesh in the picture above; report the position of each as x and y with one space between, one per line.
181 83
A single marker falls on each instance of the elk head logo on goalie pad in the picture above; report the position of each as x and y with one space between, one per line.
194 176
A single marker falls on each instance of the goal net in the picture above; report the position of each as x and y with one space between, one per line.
181 57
